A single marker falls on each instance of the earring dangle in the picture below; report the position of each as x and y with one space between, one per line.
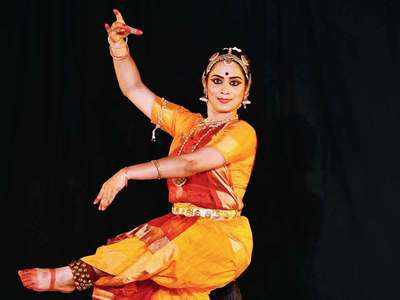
246 102
204 99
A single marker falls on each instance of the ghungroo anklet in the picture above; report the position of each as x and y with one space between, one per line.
84 275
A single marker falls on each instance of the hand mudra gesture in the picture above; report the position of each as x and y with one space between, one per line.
110 189
119 30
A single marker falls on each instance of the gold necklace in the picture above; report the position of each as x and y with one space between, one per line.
180 181
207 123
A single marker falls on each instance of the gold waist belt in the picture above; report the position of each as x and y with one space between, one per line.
190 210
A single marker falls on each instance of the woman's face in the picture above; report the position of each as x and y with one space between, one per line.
226 87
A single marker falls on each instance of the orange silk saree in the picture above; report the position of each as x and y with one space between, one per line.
181 257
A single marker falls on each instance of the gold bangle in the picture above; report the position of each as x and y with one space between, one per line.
119 57
157 165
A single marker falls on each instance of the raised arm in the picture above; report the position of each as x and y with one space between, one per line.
127 73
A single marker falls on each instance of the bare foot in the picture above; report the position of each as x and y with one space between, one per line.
41 280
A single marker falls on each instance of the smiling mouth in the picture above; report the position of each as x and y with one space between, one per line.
223 100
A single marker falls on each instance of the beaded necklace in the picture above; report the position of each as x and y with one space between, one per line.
180 181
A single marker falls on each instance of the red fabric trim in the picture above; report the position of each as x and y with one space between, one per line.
200 189
93 276
174 225
169 226
138 290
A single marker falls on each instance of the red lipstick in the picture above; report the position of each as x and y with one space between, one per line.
224 101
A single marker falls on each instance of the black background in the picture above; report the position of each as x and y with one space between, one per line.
323 200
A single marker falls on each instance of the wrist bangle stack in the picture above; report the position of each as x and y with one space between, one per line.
117 47
157 165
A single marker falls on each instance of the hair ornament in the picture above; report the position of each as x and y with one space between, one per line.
228 58
214 56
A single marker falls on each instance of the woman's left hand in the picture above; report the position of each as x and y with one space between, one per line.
110 189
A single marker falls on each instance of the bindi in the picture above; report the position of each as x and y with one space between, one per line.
226 73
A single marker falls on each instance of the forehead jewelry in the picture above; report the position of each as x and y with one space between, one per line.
234 48
228 58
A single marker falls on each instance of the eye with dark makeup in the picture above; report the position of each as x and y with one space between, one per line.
235 82
219 81
216 80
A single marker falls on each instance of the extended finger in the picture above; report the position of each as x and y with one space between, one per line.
105 202
99 196
107 27
102 204
118 15
97 200
135 31
110 197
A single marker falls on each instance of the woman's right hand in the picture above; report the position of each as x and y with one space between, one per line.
119 30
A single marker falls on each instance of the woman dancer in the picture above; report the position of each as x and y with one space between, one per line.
204 243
